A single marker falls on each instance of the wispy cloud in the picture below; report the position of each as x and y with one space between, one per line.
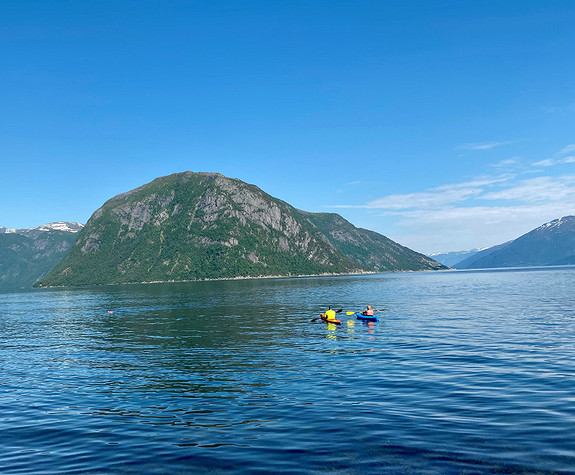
434 230
472 146
434 197
562 157
509 162
447 198
550 162
567 150
537 190
482 212
430 199
486 215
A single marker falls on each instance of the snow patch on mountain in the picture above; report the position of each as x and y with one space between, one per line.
61 226
56 226
557 223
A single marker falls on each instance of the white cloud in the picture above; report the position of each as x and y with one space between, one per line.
510 162
567 150
549 162
424 199
478 182
434 197
477 213
559 158
481 145
540 189
552 162
458 228
482 212
488 215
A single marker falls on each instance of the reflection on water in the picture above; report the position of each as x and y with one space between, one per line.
465 372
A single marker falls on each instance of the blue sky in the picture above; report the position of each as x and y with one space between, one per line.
444 125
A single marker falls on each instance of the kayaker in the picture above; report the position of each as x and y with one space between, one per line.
329 314
368 312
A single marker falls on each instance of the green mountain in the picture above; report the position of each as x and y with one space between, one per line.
369 249
28 254
193 226
551 244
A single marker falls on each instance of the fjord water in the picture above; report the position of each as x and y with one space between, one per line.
465 372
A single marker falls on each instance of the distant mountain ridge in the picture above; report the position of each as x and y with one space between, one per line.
194 226
449 259
27 254
552 243
55 226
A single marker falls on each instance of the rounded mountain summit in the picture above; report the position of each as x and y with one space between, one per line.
196 226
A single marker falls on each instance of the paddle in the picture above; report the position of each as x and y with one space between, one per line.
317 318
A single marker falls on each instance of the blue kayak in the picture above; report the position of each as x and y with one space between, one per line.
367 318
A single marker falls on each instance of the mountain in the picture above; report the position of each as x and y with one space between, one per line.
550 244
56 226
27 254
369 249
193 226
449 259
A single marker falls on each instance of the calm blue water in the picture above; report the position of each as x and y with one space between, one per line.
466 372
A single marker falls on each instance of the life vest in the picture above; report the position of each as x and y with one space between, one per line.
330 314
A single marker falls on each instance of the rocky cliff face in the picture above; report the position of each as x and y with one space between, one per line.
191 226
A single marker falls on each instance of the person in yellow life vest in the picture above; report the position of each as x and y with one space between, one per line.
330 314
368 312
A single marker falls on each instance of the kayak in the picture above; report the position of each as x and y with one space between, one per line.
329 320
367 318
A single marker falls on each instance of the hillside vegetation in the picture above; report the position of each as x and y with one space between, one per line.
193 226
26 257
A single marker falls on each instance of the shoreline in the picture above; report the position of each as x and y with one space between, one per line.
217 279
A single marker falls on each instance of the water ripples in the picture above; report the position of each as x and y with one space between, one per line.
460 375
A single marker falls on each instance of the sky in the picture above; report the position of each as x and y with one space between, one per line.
444 125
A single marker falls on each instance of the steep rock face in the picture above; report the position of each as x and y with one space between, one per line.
191 226
552 243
